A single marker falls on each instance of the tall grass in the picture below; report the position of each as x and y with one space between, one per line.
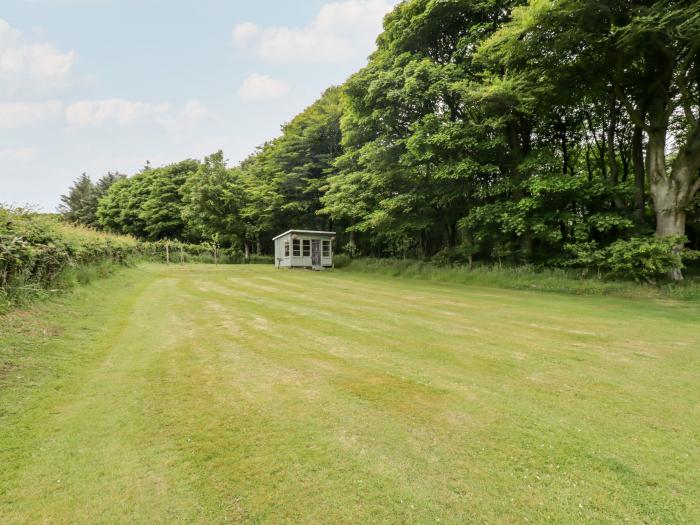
524 277
179 252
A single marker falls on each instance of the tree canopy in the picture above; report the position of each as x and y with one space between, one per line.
556 133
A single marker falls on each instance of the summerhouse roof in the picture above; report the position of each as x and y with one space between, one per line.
303 231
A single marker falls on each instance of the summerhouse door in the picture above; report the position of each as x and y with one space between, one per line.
315 253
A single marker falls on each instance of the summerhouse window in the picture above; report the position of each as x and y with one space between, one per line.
326 248
296 247
307 248
286 248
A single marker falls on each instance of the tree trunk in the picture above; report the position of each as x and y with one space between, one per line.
612 159
519 144
452 235
638 167
527 245
247 250
672 192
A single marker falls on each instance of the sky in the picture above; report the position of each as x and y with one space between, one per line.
92 86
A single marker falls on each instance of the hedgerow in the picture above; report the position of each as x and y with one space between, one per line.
38 253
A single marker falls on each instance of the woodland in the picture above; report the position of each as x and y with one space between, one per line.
560 134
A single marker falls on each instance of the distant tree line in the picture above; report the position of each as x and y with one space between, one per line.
558 133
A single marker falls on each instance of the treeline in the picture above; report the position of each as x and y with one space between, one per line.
557 133
243 207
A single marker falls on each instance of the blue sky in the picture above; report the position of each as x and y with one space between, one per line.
104 85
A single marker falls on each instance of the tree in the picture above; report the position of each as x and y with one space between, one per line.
639 61
415 149
213 200
661 92
161 211
285 178
80 203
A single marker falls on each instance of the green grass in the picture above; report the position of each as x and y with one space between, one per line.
24 293
527 277
242 394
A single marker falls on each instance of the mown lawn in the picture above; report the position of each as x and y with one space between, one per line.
245 394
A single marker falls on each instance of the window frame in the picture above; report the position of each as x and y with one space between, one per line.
326 248
306 248
296 247
286 248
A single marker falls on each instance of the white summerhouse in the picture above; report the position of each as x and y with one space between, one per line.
304 249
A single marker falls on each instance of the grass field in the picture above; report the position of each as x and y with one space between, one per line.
243 394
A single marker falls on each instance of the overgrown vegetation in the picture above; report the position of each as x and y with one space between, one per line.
38 254
522 277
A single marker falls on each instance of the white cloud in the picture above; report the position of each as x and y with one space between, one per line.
120 112
19 114
341 31
27 66
245 34
262 87
190 114
18 155
193 111
114 111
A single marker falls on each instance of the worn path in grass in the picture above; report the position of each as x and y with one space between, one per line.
244 394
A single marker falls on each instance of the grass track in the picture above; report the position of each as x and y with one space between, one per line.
243 394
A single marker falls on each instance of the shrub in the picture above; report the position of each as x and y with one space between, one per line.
639 258
261 259
341 260
462 254
39 252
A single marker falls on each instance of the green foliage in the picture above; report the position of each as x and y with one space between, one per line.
341 260
285 178
642 259
462 254
213 200
162 209
150 204
79 205
525 277
503 130
38 252
177 252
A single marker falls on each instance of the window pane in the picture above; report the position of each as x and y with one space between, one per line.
286 249
296 247
326 248
307 247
